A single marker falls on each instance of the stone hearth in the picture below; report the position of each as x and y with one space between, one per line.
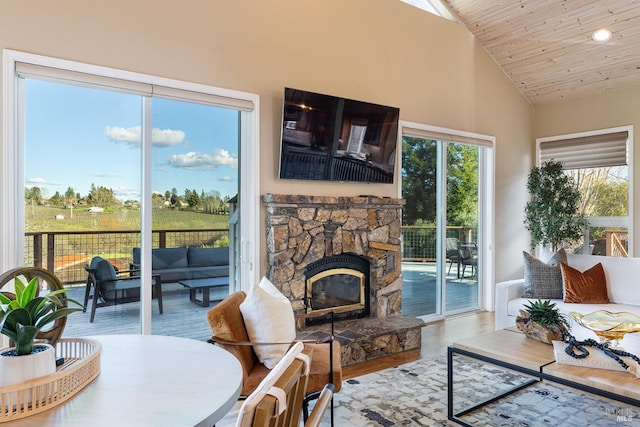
303 229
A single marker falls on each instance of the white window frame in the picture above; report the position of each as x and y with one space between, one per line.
605 221
12 220
486 200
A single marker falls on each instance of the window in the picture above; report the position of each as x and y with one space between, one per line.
137 93
600 164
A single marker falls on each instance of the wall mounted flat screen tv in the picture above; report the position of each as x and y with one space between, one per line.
328 138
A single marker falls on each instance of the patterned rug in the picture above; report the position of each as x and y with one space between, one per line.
415 394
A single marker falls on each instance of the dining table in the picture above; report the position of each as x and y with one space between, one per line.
151 380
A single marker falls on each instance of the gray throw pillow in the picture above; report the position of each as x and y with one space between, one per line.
543 280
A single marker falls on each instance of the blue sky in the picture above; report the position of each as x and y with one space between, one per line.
76 136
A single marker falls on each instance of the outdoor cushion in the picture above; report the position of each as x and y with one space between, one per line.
163 258
104 269
205 257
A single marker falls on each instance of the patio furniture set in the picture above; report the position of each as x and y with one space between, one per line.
198 269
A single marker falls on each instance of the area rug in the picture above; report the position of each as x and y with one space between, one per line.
415 394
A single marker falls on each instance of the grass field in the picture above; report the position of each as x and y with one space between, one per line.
43 219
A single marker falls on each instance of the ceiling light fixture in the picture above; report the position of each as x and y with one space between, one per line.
601 35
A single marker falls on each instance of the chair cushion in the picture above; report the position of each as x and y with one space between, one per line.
227 323
319 375
163 258
104 269
588 287
543 280
206 257
268 318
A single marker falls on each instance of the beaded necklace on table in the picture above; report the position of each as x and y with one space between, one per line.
580 346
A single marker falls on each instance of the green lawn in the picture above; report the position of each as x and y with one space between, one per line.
43 218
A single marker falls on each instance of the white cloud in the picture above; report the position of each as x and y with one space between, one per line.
166 137
204 161
226 178
36 180
31 182
159 137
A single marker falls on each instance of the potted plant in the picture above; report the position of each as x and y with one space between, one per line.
542 321
21 319
552 215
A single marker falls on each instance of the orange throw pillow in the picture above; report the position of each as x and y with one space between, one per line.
589 287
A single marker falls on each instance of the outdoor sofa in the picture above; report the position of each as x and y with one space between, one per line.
186 262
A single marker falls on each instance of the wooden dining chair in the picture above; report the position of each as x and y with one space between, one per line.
277 400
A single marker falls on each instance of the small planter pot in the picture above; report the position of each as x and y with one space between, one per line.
19 369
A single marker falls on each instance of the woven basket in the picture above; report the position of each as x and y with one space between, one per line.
81 366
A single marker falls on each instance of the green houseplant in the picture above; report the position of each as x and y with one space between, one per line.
21 319
542 321
552 215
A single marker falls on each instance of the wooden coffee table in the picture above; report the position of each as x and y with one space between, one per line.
204 286
508 348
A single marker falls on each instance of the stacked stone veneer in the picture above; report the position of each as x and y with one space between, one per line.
304 229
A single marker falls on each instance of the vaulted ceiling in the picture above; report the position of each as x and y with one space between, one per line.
545 46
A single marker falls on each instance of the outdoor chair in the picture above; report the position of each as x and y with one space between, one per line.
468 257
229 331
453 253
111 287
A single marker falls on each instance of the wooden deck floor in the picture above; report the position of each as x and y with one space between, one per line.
184 318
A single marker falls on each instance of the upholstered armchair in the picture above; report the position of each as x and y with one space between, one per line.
229 331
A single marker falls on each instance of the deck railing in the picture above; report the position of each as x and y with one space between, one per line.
419 242
66 253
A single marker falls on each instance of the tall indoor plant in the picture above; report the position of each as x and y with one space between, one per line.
21 319
552 215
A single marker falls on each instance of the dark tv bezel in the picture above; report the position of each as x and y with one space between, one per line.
319 147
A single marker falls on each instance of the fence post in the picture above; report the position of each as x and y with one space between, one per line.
51 251
37 250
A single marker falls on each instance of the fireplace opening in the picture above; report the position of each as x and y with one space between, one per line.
338 283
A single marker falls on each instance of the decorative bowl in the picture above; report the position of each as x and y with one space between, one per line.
609 327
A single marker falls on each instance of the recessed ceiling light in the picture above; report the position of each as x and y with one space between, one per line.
601 35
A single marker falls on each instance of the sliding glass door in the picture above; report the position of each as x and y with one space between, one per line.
443 254
108 164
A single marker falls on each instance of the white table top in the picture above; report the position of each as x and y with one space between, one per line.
151 380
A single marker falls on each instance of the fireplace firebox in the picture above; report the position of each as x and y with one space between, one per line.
338 283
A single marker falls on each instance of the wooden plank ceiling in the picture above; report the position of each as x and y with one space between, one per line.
545 46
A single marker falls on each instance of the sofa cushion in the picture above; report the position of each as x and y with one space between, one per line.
585 287
206 257
543 280
268 317
164 258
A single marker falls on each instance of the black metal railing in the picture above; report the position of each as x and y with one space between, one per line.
66 253
419 242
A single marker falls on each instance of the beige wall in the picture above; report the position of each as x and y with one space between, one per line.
598 112
379 51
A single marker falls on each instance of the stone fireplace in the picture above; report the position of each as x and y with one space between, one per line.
305 231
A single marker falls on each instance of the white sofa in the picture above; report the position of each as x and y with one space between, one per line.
623 288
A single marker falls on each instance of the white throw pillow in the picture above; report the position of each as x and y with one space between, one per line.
268 317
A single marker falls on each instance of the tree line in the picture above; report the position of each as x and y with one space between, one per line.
105 197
